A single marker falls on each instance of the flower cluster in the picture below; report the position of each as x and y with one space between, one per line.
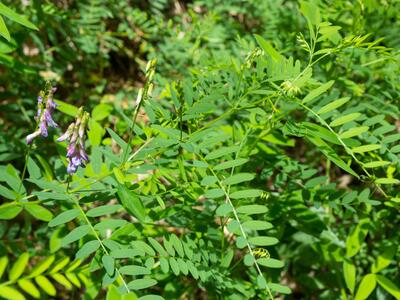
75 135
44 115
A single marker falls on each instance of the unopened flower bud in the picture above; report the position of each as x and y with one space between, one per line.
31 136
67 134
139 97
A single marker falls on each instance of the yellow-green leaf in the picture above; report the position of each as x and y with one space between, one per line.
268 48
366 148
67 108
389 286
74 279
356 238
46 285
10 293
344 119
279 288
12 15
42 266
9 211
333 105
367 285
62 280
119 175
376 164
60 264
3 264
384 259
39 212
354 132
311 11
19 266
318 91
28 287
3 29
387 181
349 272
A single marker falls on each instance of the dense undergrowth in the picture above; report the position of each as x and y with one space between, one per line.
199 149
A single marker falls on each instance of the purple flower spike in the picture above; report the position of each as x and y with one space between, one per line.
44 116
75 135
77 157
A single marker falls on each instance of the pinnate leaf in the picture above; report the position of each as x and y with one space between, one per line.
75 234
139 284
345 119
252 209
19 266
103 210
333 105
10 293
87 249
64 217
318 91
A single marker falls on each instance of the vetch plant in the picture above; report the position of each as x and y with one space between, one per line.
244 166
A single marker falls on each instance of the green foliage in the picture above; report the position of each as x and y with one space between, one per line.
254 156
35 282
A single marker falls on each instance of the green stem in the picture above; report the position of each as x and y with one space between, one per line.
76 202
25 167
228 200
348 150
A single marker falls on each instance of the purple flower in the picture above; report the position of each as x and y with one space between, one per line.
75 135
44 116
43 129
39 111
77 157
49 120
50 103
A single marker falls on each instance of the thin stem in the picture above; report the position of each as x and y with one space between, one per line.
25 167
348 150
68 182
140 149
243 234
131 133
181 122
228 200
76 202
